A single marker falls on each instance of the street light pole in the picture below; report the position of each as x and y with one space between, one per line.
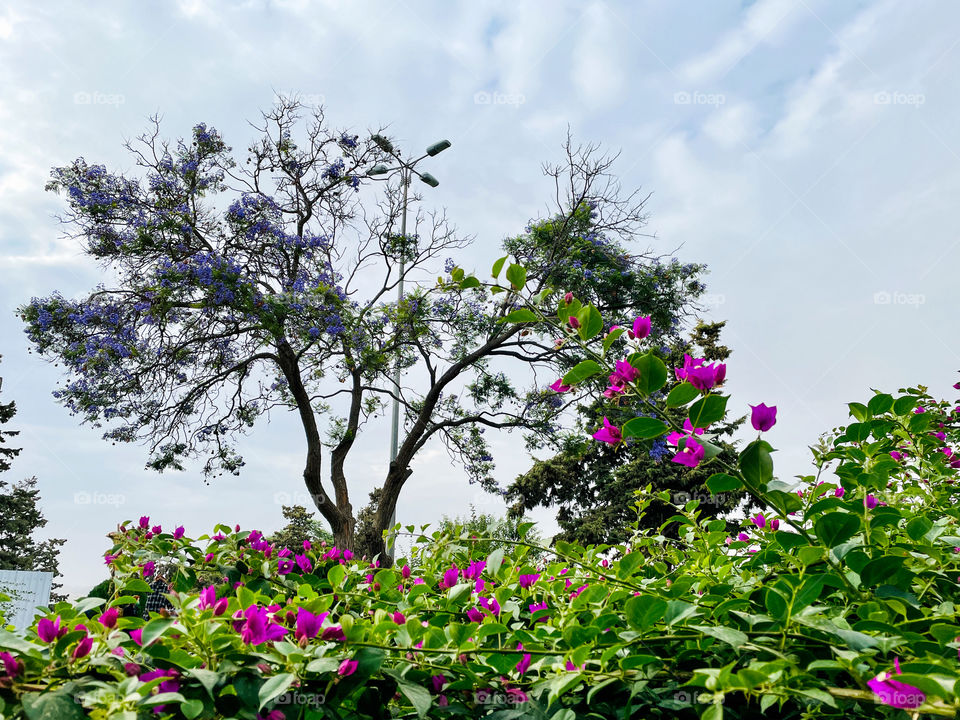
406 174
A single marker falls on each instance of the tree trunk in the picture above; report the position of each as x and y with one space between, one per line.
385 509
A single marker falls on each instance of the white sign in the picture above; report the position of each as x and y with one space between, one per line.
27 590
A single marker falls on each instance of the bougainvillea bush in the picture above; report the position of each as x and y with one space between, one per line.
837 600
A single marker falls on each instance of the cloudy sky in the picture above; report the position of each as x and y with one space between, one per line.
808 151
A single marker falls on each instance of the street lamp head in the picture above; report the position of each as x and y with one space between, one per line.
378 170
429 179
382 142
438 147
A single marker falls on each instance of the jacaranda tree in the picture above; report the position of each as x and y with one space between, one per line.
246 286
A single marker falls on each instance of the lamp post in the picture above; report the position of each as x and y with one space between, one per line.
407 171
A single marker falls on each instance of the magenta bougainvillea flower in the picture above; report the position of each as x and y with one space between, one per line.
558 386
308 624
702 377
334 632
109 617
688 431
83 648
691 455
137 636
49 630
870 502
208 600
759 520
895 693
11 666
178 532
608 433
399 618
475 615
258 627
537 607
145 522
839 492
490 604
449 578
524 664
474 569
762 417
896 455
303 562
573 322
405 572
148 568
347 667
641 328
527 580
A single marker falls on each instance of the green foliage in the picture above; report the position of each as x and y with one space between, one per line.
485 532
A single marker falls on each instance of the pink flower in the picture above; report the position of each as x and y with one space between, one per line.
348 555
559 387
208 600
144 522
775 524
308 624
304 563
641 328
178 532
399 618
571 666
573 322
839 492
475 615
450 578
516 695
148 568
11 666
691 455
743 537
568 298
490 605
762 417
524 664
347 667
759 521
83 648
109 617
50 630
895 693
896 455
537 607
688 431
527 580
334 632
608 433
137 636
870 502
405 572
258 628
156 529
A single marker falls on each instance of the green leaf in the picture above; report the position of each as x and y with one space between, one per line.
918 527
653 373
714 712
859 411
498 266
756 464
89 603
207 678
857 432
880 404
642 611
51 706
154 629
836 527
581 371
708 410
521 316
880 569
457 274
336 575
136 587
629 563
682 394
591 322
643 427
516 276
191 708
277 685
731 636
418 696
494 561
721 483
469 282
904 405
611 338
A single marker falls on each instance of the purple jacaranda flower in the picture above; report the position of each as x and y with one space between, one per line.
608 433
258 628
11 666
895 693
528 580
303 562
50 630
896 455
83 648
870 502
474 569
405 572
559 387
308 624
762 417
691 455
759 520
334 632
524 664
839 492
178 532
450 578
109 617
475 615
144 522
641 328
347 667
148 568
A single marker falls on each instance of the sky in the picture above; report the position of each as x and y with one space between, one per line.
807 151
